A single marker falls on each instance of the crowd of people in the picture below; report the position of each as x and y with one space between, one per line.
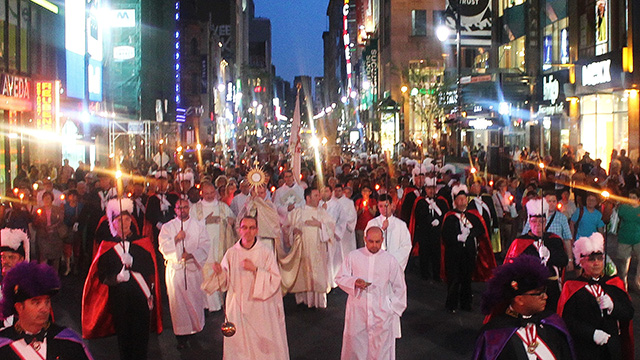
356 223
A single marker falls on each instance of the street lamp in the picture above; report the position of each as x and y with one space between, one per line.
442 32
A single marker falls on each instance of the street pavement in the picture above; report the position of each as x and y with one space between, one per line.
428 331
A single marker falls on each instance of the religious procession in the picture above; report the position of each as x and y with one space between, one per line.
239 239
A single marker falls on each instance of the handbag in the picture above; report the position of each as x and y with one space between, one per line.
63 231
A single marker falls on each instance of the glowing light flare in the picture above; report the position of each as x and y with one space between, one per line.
364 203
541 165
35 186
62 197
129 194
198 147
377 187
15 191
605 194
473 170
559 206
21 196
491 183
179 149
273 189
118 174
510 198
39 211
161 141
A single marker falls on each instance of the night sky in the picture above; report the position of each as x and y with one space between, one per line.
296 31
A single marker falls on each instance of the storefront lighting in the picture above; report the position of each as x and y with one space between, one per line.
86 117
404 89
47 5
442 33
414 92
503 108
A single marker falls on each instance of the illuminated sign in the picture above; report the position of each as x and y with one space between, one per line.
550 89
74 43
15 86
480 123
47 101
123 18
347 42
387 132
180 113
596 73
124 52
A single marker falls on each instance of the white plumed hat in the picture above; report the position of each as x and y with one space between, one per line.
458 190
537 208
15 240
586 246
160 174
448 168
430 182
114 210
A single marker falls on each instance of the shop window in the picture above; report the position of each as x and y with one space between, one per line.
512 54
12 50
604 125
505 4
24 40
418 22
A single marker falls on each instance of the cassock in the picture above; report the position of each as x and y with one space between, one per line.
464 259
411 194
504 337
428 216
555 260
579 308
129 309
396 239
254 304
221 236
369 327
58 343
186 300
305 269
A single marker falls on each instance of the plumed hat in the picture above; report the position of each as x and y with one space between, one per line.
186 176
430 181
515 277
161 174
14 240
537 208
113 211
448 169
429 167
586 246
25 281
459 189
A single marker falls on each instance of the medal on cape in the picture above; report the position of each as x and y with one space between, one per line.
531 348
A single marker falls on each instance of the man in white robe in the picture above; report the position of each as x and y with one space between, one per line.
377 291
346 225
396 237
218 220
305 270
184 243
249 273
239 200
288 197
333 208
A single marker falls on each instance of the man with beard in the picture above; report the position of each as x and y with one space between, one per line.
121 294
596 307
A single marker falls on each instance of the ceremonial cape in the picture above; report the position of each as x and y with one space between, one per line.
97 321
626 327
485 261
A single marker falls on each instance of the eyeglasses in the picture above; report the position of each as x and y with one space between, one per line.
540 293
593 257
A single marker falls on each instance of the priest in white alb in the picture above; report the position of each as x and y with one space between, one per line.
249 273
334 209
184 243
289 196
396 237
305 270
377 293
218 220
346 224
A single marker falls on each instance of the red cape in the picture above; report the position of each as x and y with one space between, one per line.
485 262
517 247
570 287
97 321
412 227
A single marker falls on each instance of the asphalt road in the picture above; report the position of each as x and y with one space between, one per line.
428 331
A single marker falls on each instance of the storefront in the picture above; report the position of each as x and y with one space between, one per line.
604 106
15 111
550 128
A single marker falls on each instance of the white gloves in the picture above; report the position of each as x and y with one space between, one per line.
464 234
600 337
605 303
544 253
127 260
75 227
435 222
123 275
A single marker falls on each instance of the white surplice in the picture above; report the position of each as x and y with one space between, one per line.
220 240
396 239
286 196
334 250
347 222
186 305
254 304
369 329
